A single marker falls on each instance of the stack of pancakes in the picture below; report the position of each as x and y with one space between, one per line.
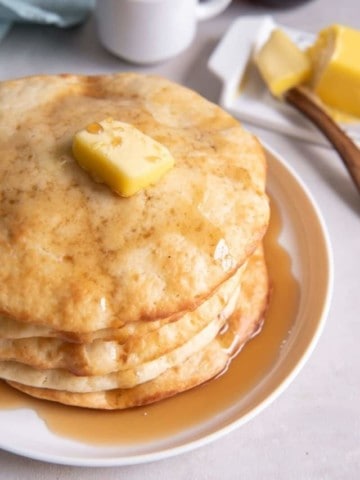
111 302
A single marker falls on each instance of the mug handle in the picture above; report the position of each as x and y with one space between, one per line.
210 9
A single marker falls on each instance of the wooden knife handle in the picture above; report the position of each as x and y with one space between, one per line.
302 99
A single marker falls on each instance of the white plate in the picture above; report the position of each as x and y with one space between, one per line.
304 237
244 93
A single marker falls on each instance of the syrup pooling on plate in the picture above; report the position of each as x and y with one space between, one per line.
191 408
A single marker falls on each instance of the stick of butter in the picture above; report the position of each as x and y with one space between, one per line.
120 155
281 63
335 58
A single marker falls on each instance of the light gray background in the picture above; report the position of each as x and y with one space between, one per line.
313 430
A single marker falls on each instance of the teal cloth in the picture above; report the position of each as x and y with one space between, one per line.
61 13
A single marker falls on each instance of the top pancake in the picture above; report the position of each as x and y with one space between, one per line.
77 257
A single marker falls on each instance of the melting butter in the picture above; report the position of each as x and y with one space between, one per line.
120 155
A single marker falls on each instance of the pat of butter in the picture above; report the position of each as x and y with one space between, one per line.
335 58
281 63
120 155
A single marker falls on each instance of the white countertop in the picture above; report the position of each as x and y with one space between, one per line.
313 430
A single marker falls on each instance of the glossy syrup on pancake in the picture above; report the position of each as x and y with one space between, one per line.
89 252
167 417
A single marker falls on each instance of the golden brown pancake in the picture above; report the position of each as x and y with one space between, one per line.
77 257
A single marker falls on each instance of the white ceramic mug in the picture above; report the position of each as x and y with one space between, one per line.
149 31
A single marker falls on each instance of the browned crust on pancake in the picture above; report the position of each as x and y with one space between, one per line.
59 256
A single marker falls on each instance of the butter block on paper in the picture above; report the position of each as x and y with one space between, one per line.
335 58
281 63
120 155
